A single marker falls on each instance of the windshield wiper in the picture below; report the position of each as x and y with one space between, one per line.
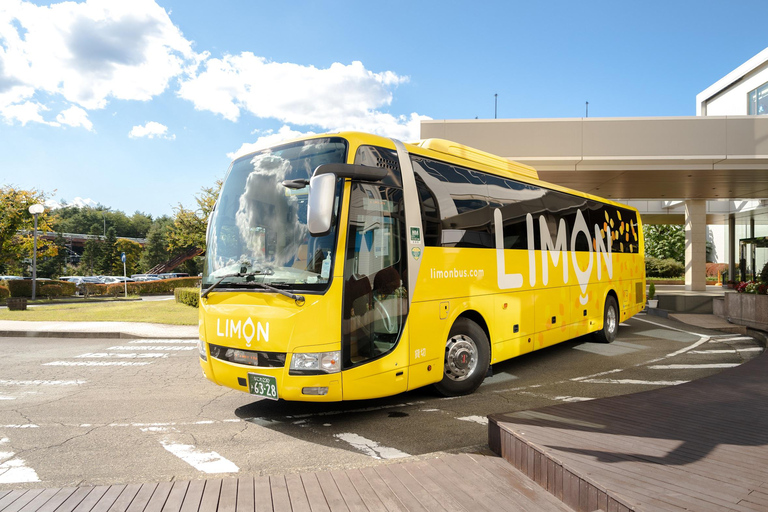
298 298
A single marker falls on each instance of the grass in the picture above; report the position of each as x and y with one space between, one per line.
158 312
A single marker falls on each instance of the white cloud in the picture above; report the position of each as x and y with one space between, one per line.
270 139
75 116
151 130
89 52
27 112
341 97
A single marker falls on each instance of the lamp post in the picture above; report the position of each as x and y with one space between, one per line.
35 210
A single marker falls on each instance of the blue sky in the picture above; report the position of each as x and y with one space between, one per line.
137 104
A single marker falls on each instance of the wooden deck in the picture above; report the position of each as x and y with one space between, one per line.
700 446
467 482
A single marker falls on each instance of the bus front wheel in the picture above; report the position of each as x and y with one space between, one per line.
610 321
467 356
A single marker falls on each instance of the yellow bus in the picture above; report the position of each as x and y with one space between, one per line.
351 266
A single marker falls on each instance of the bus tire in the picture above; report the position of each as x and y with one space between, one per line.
610 321
467 356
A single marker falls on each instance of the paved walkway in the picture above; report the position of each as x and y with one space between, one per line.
699 446
95 330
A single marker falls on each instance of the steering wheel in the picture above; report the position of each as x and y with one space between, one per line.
383 313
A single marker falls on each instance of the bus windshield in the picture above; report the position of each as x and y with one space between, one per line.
258 231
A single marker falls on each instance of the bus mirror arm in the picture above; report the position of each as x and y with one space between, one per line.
352 171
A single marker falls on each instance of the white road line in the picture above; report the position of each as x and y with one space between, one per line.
42 382
26 425
482 420
163 342
573 398
638 382
371 448
737 338
689 347
728 351
5 397
118 355
95 363
15 470
151 347
671 328
207 462
692 366
577 379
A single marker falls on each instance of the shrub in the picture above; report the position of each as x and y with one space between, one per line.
188 296
651 291
23 288
764 274
4 292
669 267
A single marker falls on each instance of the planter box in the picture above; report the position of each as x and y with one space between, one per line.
16 303
747 309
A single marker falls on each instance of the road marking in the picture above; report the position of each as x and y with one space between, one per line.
15 470
371 448
693 366
207 462
482 420
737 338
578 379
128 355
728 351
573 398
4 397
638 382
95 363
166 342
26 425
42 382
151 347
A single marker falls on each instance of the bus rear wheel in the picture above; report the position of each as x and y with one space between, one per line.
467 356
610 321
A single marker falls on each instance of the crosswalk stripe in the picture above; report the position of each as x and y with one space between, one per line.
95 363
163 342
207 462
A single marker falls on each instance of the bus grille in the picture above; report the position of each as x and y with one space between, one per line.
249 357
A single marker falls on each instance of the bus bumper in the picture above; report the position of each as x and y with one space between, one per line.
305 388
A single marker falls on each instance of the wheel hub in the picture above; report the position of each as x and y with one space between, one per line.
460 357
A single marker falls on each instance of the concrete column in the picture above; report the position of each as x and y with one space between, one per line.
696 245
733 251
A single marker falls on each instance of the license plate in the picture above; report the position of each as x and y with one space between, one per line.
262 385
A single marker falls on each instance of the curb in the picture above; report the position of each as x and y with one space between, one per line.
92 335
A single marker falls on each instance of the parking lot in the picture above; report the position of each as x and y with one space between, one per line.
90 411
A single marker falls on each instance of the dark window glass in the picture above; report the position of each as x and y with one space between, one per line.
757 100
461 201
374 156
375 281
430 214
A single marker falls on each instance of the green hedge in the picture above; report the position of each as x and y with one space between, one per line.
669 267
23 288
142 288
188 296
4 292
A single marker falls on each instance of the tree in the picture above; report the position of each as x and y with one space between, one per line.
109 263
189 226
16 226
133 252
91 254
53 266
664 241
155 251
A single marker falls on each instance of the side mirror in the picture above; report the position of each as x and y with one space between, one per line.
322 188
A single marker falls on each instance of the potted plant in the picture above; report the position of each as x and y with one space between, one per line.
652 302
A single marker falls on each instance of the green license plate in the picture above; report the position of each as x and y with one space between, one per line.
262 385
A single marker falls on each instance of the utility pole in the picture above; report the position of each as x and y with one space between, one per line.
495 105
587 109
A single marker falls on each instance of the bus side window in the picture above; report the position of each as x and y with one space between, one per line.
430 214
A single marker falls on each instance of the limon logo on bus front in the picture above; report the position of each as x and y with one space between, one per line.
243 330
550 251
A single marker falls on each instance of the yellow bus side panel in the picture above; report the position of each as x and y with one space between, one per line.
385 376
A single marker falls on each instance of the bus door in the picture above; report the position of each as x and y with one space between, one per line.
375 304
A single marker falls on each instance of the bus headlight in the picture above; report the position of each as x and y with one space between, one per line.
313 363
201 350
